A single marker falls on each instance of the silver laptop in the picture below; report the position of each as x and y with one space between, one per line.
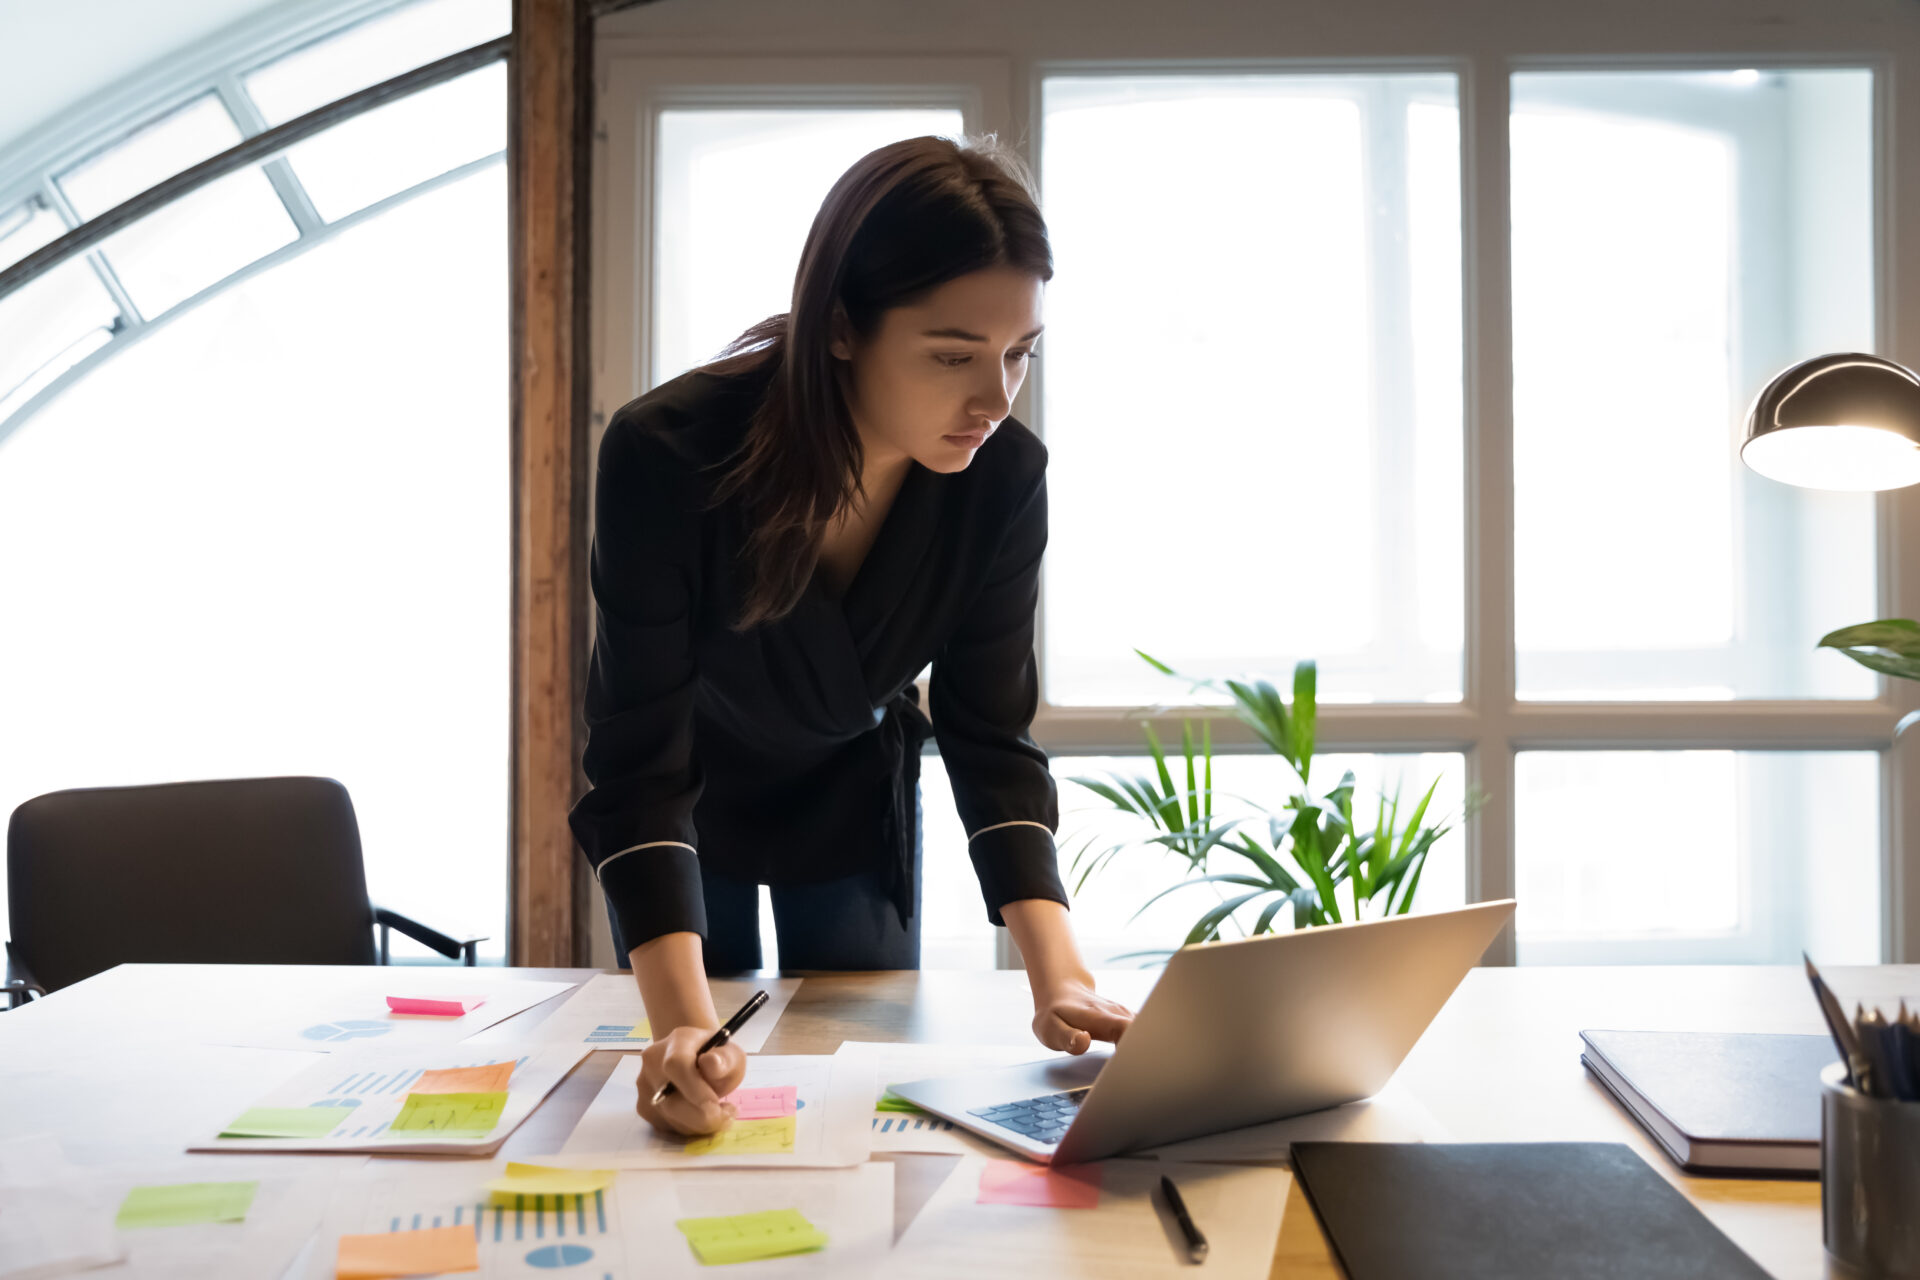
1234 1033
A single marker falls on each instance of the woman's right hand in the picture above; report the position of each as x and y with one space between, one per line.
694 1106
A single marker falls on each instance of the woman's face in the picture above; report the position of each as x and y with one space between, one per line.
935 379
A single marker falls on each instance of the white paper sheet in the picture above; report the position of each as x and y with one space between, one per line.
1391 1115
854 1207
835 1097
582 1238
627 1231
287 1207
606 1012
369 1086
899 1063
349 1010
1128 1236
51 1222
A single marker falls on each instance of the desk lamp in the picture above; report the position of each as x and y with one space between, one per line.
1847 421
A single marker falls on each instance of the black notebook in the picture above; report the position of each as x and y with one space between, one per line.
1713 1101
1509 1211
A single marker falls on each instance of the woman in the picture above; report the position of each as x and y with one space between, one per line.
783 540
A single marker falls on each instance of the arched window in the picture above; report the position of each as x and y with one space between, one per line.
254 443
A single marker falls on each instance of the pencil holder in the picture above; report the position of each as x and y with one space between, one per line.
1869 1182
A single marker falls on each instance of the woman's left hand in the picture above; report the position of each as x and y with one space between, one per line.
1071 1015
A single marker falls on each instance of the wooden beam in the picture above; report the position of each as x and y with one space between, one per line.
548 151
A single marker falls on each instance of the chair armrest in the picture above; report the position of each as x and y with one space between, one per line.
466 947
19 983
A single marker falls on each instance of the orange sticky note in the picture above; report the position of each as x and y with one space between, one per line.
1041 1186
435 1006
491 1078
386 1254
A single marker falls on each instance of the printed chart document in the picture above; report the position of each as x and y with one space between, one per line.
853 1208
348 1008
524 1237
822 1123
1121 1231
397 1098
630 1228
606 1013
898 1127
1392 1115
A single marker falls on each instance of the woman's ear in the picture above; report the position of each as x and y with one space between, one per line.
839 335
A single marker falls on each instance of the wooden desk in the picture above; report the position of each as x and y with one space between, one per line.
97 1065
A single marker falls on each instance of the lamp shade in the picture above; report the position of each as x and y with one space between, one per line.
1848 421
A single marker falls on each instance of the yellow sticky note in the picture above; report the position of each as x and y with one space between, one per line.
642 1030
386 1254
746 1137
742 1237
544 1180
463 1115
488 1079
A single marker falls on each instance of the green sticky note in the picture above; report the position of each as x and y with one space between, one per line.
743 1237
461 1115
285 1122
183 1203
891 1101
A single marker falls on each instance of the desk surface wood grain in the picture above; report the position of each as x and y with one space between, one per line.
1501 1063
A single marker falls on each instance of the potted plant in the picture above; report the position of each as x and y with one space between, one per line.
1890 646
1309 852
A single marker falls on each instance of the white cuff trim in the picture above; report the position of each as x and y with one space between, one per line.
651 844
1017 823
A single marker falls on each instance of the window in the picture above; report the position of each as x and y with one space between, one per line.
1696 233
737 191
254 469
1716 856
1433 372
1284 294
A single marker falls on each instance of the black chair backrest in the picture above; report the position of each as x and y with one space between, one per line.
231 871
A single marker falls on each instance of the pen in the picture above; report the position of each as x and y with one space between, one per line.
1196 1243
1842 1030
720 1037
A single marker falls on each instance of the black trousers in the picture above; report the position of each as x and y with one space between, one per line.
848 923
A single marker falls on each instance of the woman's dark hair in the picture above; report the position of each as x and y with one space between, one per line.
904 219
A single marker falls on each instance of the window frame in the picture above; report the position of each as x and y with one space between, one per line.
1489 725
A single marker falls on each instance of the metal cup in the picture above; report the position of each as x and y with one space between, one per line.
1869 1182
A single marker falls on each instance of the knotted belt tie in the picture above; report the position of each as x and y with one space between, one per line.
903 729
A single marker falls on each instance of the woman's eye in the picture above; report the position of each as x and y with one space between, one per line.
954 362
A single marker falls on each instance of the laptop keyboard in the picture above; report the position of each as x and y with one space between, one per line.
1044 1119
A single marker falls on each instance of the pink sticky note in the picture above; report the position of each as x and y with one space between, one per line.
438 1006
766 1103
1067 1186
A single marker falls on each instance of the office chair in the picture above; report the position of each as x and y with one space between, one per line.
230 871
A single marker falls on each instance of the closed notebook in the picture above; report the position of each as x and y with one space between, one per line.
1509 1211
1716 1101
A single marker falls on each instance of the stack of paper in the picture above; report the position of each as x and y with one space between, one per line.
1104 1222
448 1099
225 1219
606 1012
900 1126
807 1111
412 1218
383 1005
50 1220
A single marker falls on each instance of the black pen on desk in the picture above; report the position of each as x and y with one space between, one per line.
720 1037
1196 1243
